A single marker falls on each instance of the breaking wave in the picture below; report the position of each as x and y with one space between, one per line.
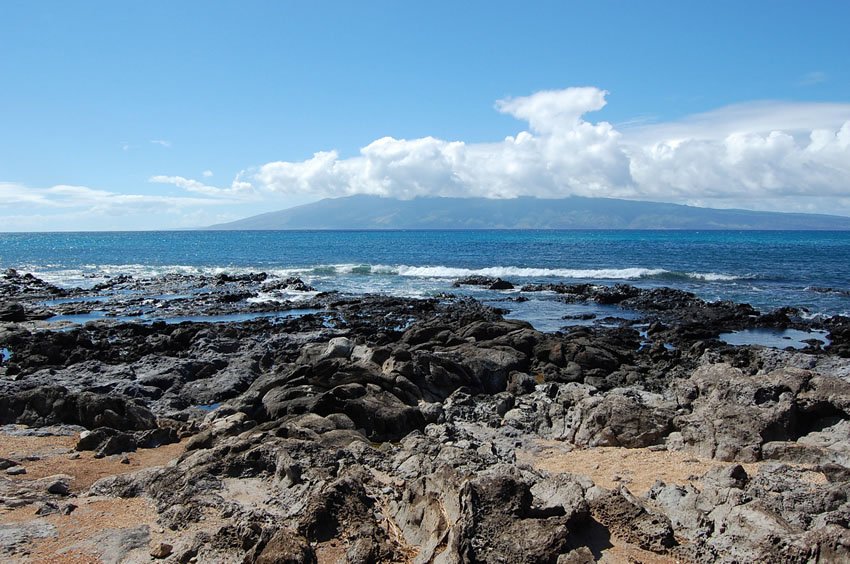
91 274
592 274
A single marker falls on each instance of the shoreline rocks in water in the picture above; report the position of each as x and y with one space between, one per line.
383 429
483 281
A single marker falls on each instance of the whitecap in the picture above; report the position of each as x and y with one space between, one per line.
712 276
525 272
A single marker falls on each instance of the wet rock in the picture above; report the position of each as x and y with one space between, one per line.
580 316
12 311
17 285
112 282
499 284
292 284
225 277
474 280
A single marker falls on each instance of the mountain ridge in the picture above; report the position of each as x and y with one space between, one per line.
575 212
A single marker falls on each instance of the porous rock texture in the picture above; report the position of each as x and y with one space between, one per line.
386 429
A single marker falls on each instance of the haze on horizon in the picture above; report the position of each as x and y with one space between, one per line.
158 116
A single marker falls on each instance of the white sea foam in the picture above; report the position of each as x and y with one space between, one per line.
90 274
281 296
520 272
591 274
712 276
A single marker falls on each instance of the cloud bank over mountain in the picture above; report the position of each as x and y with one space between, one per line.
738 154
775 156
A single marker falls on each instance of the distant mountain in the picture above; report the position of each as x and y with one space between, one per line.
374 212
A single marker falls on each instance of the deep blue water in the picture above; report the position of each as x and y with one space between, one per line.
766 269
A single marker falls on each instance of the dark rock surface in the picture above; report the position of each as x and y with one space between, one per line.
388 428
53 405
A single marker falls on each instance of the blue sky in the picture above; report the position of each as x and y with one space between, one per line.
144 115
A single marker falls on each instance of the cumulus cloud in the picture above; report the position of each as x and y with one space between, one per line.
554 110
764 155
734 154
564 154
746 165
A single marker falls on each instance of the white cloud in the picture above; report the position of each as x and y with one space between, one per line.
553 111
780 156
238 189
746 166
161 143
751 117
62 198
743 153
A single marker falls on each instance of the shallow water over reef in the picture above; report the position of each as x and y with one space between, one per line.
775 338
767 269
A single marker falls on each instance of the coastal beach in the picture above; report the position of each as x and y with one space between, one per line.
380 282
203 414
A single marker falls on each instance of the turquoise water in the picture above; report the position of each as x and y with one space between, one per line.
767 269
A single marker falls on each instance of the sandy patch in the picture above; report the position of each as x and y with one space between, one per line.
72 544
92 516
635 468
624 553
56 455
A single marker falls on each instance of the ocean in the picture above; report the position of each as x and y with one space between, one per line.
768 269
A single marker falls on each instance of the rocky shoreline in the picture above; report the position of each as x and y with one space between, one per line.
243 428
